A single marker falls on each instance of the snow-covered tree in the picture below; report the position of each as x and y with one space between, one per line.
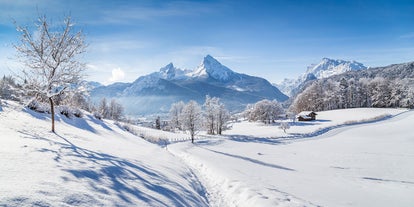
175 115
210 108
115 110
265 110
191 118
222 117
51 55
103 108
9 89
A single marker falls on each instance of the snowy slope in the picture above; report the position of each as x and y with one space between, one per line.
86 163
358 165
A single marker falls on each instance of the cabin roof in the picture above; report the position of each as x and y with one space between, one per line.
306 113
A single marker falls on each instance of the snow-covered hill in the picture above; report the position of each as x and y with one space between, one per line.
88 162
324 69
170 84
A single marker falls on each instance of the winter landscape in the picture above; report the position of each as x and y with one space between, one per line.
194 127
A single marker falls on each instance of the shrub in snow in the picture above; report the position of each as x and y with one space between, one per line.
77 113
97 115
65 110
69 111
38 106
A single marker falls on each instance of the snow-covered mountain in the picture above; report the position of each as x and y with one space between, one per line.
324 69
210 67
156 92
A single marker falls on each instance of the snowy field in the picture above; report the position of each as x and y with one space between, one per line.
325 120
360 165
96 163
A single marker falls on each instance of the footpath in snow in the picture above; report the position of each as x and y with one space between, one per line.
357 165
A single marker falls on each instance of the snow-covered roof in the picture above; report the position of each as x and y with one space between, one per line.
305 113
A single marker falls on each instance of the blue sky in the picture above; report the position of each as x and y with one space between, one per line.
272 39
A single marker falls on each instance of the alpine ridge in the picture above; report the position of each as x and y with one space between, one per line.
325 68
155 92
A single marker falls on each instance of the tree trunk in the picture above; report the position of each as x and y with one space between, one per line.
52 112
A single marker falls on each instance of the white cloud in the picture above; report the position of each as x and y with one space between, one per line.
117 75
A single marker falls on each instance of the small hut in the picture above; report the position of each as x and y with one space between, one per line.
307 116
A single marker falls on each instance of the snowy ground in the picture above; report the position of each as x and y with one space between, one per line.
93 163
360 165
86 163
325 120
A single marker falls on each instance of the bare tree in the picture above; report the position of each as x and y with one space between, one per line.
216 115
223 116
284 126
175 114
210 111
115 110
191 118
103 108
51 55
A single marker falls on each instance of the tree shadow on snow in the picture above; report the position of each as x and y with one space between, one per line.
309 123
80 123
260 140
250 160
209 142
129 180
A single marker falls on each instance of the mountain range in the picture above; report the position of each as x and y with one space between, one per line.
154 93
324 69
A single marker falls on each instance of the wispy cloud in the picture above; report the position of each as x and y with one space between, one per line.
407 36
25 10
117 44
130 14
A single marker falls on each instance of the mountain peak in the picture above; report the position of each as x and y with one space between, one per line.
328 67
325 68
168 71
209 58
167 68
210 67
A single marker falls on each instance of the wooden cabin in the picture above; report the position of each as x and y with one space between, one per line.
307 116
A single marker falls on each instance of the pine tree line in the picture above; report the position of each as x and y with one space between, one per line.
329 94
